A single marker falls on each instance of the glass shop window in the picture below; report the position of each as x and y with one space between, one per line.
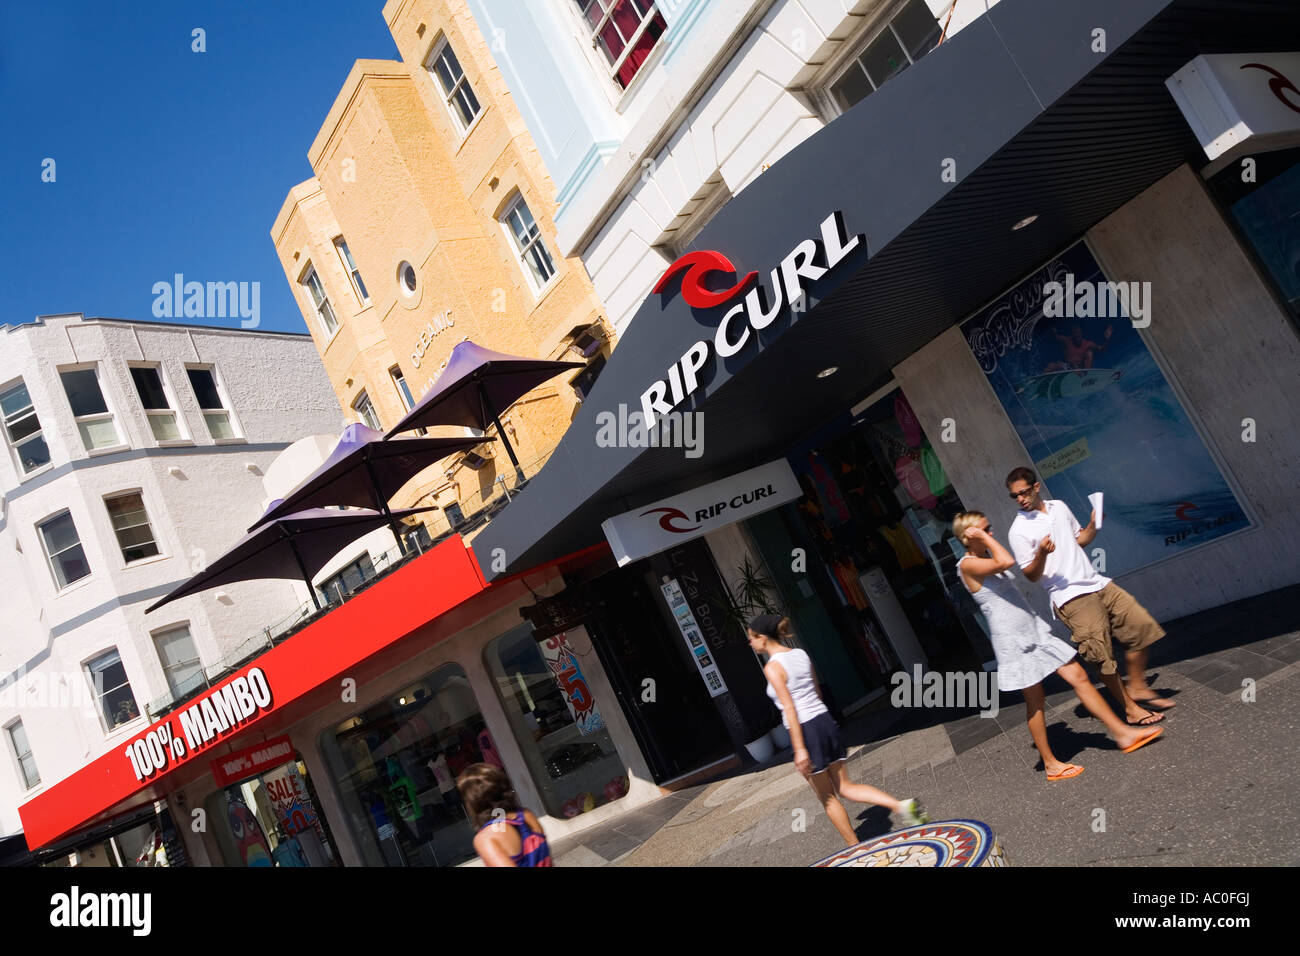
395 767
272 819
1263 210
556 720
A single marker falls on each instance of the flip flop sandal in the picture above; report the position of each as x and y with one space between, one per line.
1144 741
1152 717
1146 702
1073 770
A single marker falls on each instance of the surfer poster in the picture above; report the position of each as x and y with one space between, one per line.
1096 413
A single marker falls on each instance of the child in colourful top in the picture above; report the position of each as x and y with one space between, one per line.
507 835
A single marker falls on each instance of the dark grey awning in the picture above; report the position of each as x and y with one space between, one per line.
363 471
292 546
1036 122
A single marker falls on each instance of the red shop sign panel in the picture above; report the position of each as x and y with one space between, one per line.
250 761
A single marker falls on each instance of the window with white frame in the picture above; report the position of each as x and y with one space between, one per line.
625 31
403 390
350 267
527 238
157 403
89 410
23 751
180 660
112 690
910 33
212 403
23 429
131 525
63 548
320 301
456 91
365 410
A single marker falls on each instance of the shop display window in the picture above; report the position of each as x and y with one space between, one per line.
556 721
1263 208
878 506
395 766
272 819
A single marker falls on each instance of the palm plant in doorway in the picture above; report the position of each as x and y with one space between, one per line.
753 593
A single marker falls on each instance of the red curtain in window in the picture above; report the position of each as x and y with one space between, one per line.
627 18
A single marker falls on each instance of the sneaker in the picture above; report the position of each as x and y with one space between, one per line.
913 814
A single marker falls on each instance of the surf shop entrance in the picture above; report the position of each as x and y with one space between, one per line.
880 593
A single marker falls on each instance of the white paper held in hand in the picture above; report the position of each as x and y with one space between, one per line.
1095 500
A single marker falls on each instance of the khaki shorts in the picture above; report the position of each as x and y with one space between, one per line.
1093 619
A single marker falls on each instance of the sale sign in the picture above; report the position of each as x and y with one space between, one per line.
568 675
290 800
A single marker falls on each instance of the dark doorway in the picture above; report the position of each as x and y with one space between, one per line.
674 720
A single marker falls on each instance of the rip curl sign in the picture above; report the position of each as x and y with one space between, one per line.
1240 103
667 523
753 305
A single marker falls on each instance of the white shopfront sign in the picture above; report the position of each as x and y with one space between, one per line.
1239 103
693 514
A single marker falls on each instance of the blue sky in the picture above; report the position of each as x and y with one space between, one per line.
166 160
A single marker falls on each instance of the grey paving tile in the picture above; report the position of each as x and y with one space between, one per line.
638 824
975 766
690 814
948 777
613 844
1287 653
969 737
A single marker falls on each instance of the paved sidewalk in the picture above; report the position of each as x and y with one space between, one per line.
1220 787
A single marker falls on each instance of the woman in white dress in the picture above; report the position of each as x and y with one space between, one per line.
819 753
1025 647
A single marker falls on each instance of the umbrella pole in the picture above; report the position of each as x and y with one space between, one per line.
501 432
311 589
382 505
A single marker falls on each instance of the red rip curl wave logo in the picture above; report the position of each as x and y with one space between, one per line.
693 267
668 516
1279 84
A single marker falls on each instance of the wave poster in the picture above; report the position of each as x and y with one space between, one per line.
1096 413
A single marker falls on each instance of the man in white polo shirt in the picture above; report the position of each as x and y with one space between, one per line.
1048 544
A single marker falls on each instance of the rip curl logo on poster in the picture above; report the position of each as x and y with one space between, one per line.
758 307
199 725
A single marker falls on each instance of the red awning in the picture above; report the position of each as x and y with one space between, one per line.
427 601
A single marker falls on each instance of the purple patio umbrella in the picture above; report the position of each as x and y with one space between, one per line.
365 471
476 386
298 544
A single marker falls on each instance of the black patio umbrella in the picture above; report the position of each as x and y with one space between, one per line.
365 471
296 545
476 386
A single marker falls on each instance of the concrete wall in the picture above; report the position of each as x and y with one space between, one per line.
1226 347
276 391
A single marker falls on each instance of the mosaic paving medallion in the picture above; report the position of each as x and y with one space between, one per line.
946 843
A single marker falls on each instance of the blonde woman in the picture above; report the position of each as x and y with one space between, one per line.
1025 647
819 753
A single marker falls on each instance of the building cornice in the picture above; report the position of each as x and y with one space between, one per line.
361 72
80 318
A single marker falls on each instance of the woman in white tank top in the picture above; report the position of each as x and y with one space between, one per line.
819 753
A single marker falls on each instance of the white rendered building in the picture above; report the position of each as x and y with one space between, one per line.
652 114
133 452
